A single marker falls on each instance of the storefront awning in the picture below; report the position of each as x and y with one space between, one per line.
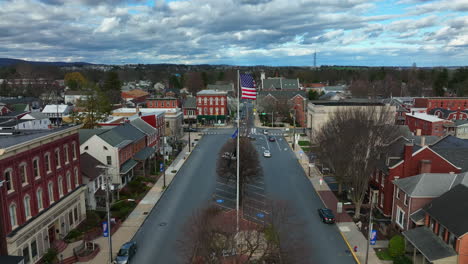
127 166
144 153
430 245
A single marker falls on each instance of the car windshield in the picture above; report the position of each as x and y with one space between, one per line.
328 212
123 252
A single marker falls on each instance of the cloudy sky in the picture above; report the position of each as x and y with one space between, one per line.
238 32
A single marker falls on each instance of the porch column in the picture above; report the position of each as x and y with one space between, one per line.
414 255
144 168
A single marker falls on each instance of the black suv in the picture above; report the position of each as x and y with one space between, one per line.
326 215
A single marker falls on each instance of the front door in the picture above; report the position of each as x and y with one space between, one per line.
51 234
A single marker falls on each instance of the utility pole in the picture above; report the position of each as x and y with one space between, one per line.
190 128
294 130
272 119
107 186
237 154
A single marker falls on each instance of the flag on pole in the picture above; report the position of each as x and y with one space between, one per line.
235 134
248 87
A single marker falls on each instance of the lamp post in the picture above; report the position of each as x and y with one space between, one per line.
107 187
190 128
310 166
294 130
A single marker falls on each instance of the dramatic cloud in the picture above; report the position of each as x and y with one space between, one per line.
274 32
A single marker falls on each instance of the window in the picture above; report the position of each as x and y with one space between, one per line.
222 111
406 199
34 249
23 174
47 162
77 182
57 158
9 180
398 193
26 254
377 177
441 232
167 124
205 100
400 217
68 181
60 186
86 148
381 200
104 148
76 213
40 204
67 158
70 217
432 224
167 103
216 101
13 218
222 100
216 110
27 206
109 160
211 100
50 190
453 240
36 170
199 100
382 183
173 103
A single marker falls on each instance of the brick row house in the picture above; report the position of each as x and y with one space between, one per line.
212 106
430 125
403 159
41 190
163 102
134 97
190 110
444 236
448 108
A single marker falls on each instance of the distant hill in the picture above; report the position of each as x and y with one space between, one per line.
8 62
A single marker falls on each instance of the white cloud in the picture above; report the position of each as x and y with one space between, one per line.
108 24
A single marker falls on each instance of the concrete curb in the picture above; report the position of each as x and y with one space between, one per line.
164 190
323 202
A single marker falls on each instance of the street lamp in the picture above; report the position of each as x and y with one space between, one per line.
372 194
107 187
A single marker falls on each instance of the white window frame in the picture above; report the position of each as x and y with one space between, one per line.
399 210
405 201
67 156
13 215
23 167
76 177
50 192
39 198
397 194
9 180
37 169
68 181
60 186
383 180
58 162
27 207
48 164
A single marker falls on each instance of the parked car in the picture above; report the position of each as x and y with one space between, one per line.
126 253
271 139
266 153
326 215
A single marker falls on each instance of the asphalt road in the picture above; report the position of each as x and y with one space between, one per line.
192 188
285 180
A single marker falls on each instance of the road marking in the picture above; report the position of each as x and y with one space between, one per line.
278 145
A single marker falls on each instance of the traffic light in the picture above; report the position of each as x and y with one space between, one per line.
263 113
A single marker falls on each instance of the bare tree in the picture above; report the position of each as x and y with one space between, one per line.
352 140
249 167
210 236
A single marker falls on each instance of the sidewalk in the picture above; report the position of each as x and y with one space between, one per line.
348 229
133 222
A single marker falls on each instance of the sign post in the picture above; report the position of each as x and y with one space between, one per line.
161 168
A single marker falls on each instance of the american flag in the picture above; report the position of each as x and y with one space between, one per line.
248 87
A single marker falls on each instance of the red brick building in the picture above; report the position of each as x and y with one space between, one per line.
42 193
297 100
166 102
444 236
427 125
190 110
397 164
212 106
449 108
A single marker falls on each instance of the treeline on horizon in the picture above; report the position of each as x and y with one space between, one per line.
363 81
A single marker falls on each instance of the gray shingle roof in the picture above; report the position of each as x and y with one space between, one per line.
190 102
26 135
428 184
430 245
281 94
451 210
454 150
221 87
86 134
280 83
122 135
88 166
143 126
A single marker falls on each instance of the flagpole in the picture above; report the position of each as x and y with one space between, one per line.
238 161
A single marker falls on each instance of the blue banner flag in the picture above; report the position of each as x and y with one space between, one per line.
235 134
105 229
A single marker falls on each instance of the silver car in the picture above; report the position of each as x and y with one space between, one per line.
126 253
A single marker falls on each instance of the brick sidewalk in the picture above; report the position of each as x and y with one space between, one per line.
133 222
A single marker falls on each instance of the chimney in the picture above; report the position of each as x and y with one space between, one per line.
418 132
423 141
425 166
407 155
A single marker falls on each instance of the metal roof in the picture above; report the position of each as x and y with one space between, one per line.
427 184
143 126
127 166
144 154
